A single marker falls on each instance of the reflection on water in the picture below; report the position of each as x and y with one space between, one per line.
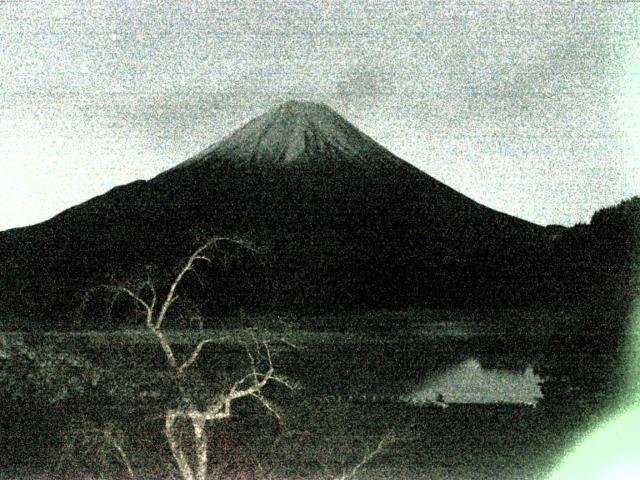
469 382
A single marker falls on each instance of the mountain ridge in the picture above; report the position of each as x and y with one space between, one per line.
348 225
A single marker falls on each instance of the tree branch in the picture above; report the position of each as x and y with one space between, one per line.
238 392
265 403
121 453
384 442
171 295
195 353
165 345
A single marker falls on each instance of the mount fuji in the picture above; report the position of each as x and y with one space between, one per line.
344 224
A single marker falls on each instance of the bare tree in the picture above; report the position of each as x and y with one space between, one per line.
156 304
155 309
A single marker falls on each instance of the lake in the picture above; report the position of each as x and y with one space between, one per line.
356 383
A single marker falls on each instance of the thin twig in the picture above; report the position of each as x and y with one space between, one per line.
383 444
124 458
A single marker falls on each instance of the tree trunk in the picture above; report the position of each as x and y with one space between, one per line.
181 459
201 448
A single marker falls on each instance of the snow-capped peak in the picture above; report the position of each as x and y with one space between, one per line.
297 132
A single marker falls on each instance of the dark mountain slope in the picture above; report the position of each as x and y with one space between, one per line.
345 224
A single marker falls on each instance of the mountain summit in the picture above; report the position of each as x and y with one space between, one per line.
297 133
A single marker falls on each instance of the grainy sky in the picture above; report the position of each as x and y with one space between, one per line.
532 108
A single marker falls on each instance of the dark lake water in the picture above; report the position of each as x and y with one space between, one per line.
461 362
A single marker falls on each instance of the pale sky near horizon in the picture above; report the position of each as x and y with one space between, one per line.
532 108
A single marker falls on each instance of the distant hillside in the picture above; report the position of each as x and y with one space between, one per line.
344 224
596 265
